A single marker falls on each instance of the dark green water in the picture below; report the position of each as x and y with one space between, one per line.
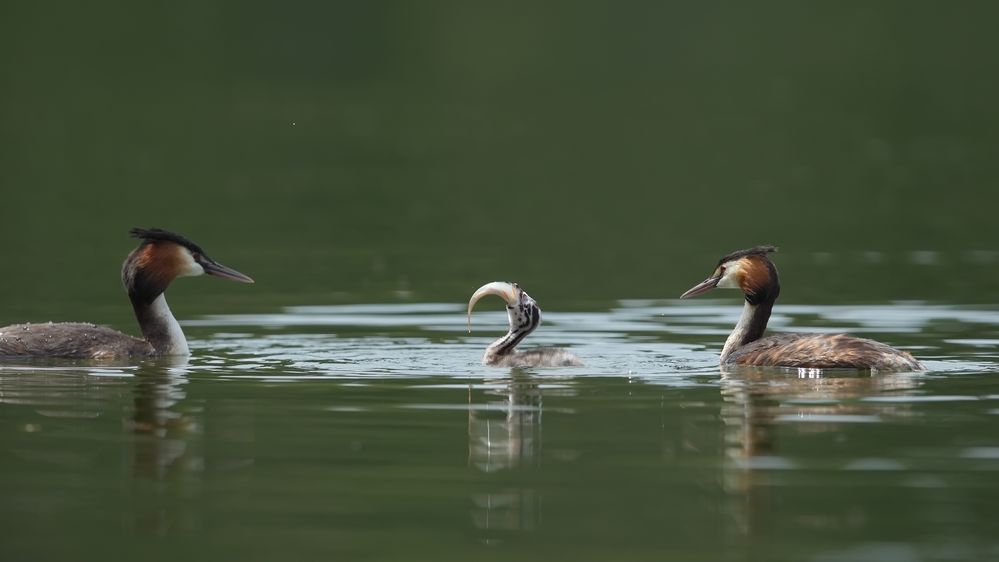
371 164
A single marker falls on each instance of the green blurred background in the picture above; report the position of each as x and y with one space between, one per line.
379 151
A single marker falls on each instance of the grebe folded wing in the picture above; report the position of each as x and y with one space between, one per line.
823 351
69 340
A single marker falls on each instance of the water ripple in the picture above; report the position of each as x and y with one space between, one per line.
663 341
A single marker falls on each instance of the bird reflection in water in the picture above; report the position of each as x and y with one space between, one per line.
162 433
164 454
504 434
758 403
170 438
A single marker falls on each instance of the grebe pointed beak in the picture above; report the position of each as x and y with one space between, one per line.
702 287
213 267
507 291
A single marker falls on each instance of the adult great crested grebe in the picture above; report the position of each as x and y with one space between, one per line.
752 272
525 315
160 258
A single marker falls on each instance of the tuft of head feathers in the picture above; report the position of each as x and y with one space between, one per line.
760 251
159 235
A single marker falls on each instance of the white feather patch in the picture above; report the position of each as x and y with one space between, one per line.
730 279
188 267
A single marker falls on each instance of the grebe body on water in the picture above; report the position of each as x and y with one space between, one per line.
148 270
525 316
752 272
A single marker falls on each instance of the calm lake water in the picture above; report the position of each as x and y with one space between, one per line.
370 164
372 432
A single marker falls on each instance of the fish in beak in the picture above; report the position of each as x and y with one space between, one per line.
509 292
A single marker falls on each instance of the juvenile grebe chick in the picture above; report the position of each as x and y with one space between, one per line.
525 315
148 270
752 272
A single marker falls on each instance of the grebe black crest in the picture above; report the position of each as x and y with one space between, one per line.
161 257
525 316
752 272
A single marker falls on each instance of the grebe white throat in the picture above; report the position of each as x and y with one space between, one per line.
738 335
164 327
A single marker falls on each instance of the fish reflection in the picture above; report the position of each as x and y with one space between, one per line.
756 402
504 434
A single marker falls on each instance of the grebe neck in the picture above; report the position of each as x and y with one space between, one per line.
159 327
750 328
524 319
506 344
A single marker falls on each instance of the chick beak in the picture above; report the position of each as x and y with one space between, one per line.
507 291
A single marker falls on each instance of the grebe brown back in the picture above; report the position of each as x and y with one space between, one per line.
160 258
752 272
525 315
